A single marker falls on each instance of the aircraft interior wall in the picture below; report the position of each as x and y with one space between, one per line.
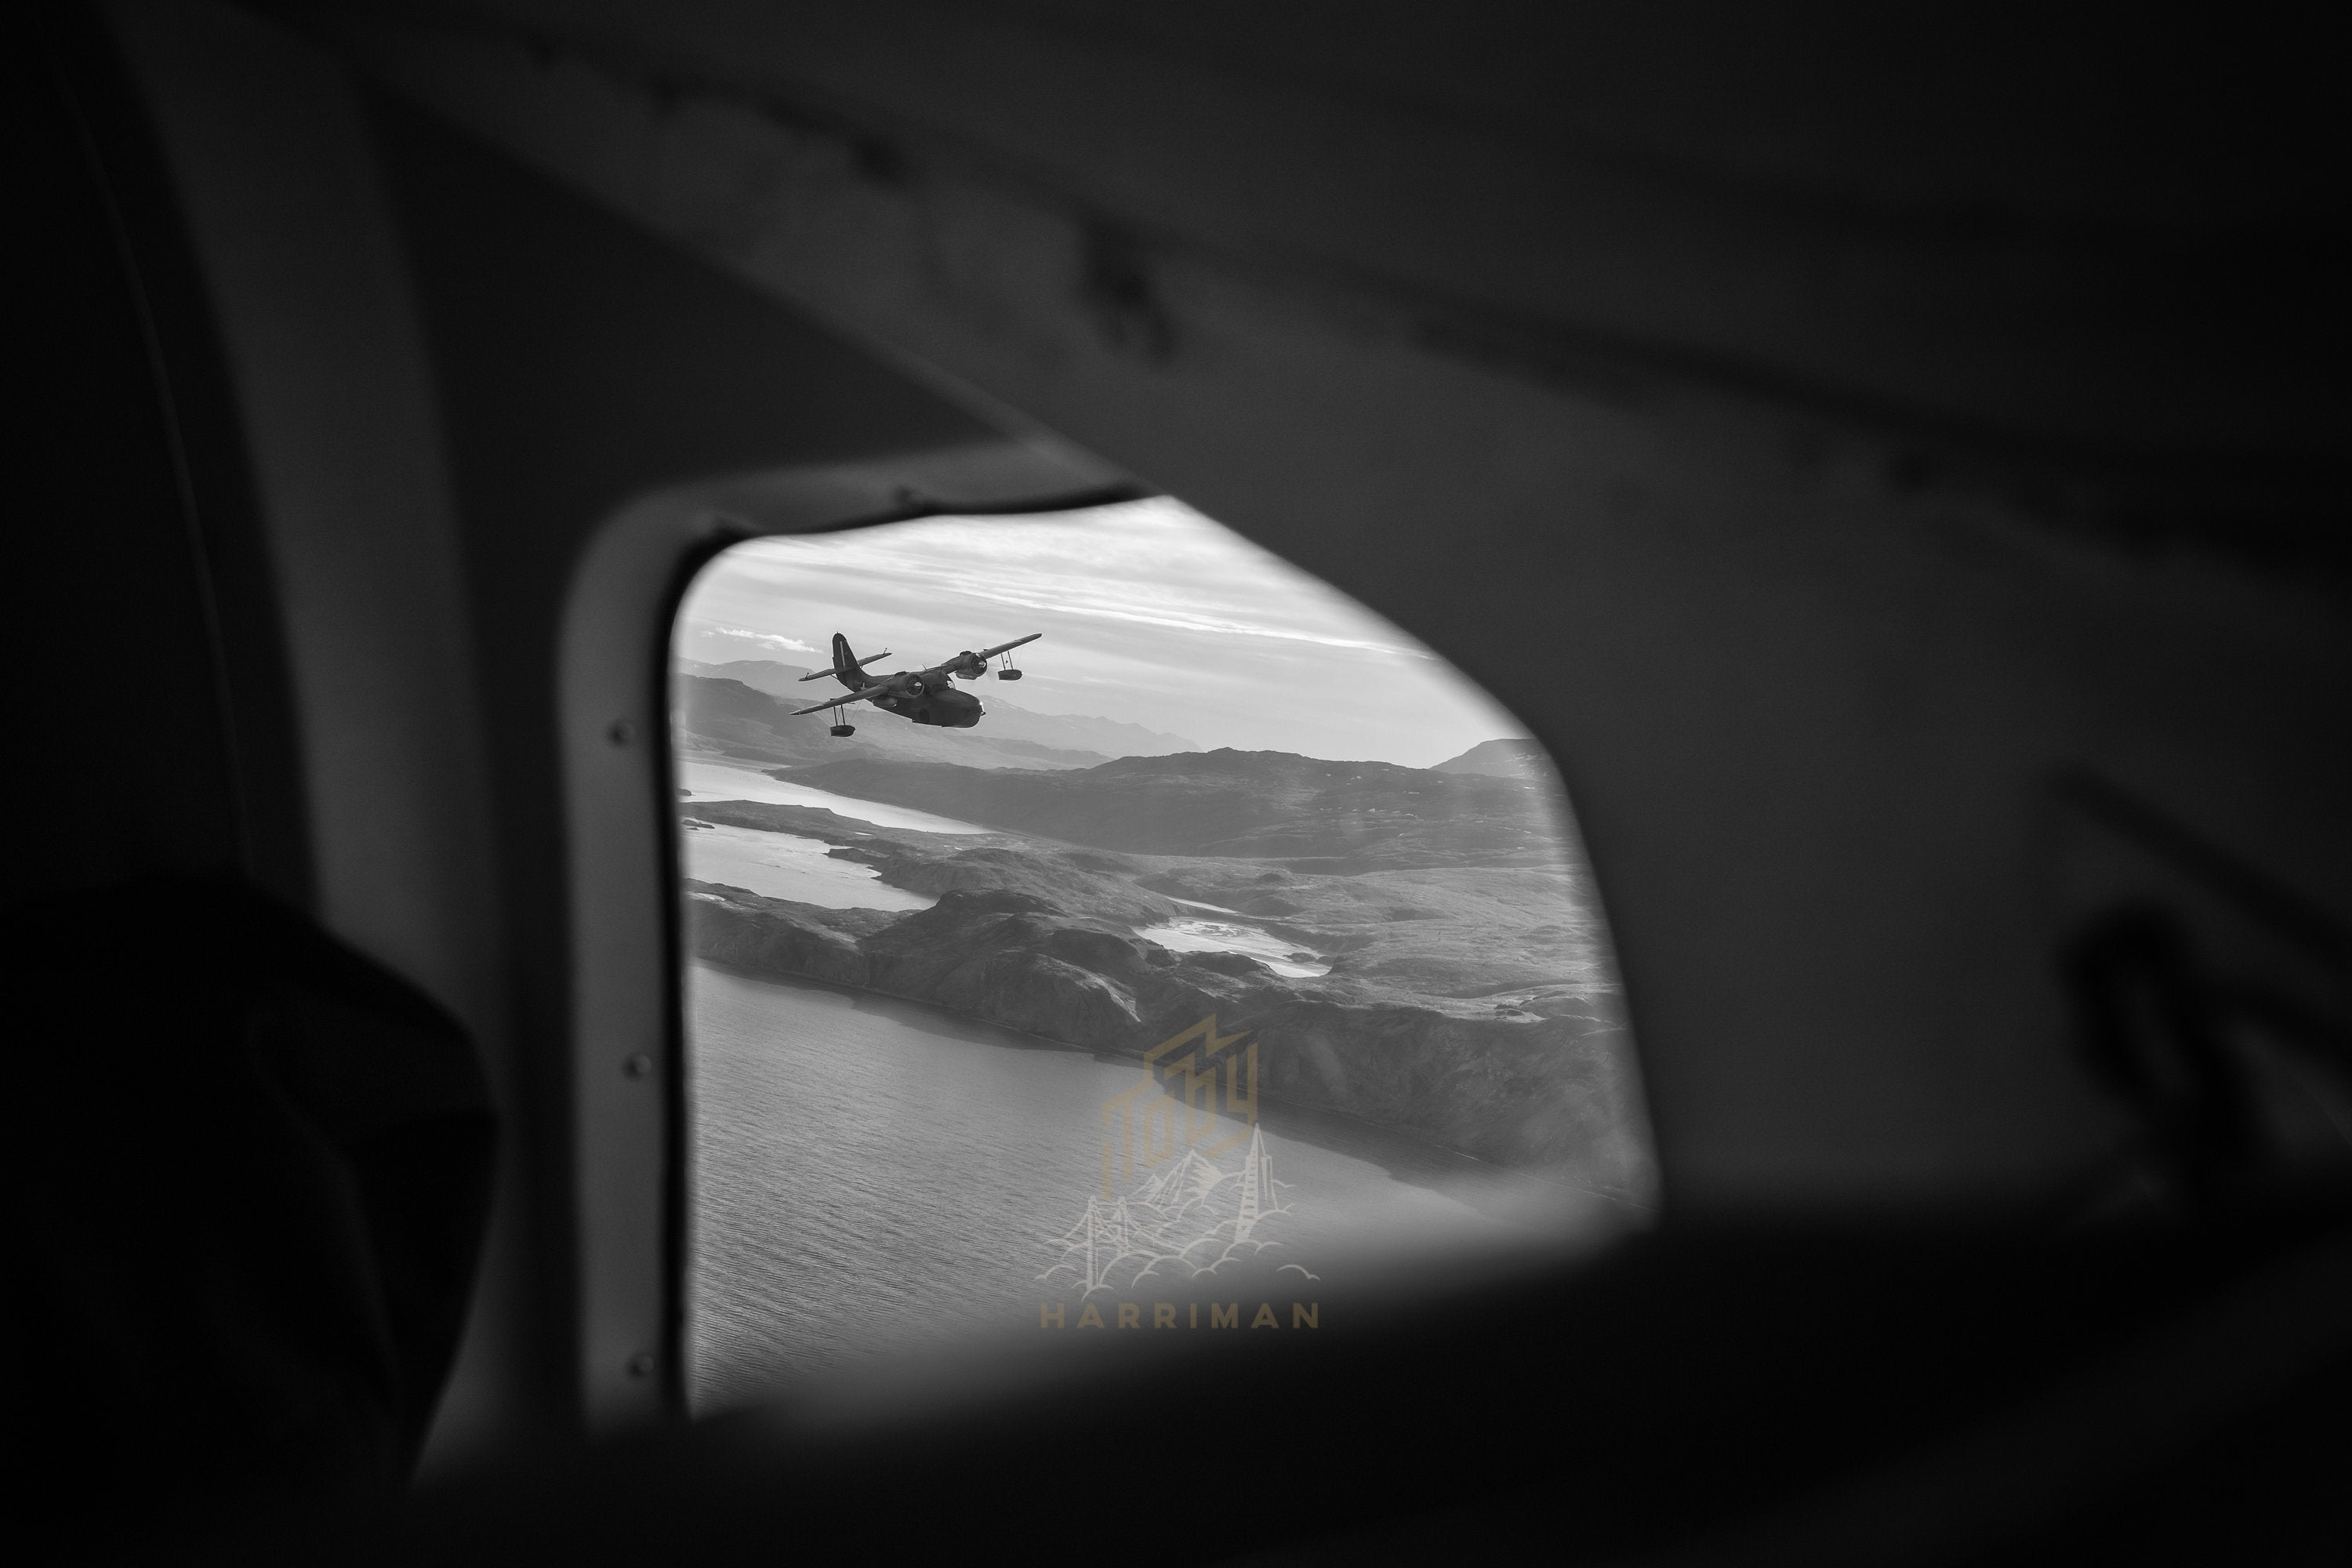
1925 563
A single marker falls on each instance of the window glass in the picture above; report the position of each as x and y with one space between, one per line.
1217 951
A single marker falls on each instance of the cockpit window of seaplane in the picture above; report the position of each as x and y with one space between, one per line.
1096 927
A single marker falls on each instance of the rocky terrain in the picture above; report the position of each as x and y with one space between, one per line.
1468 1000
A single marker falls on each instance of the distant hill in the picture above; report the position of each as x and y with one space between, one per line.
730 717
1312 814
766 675
1503 760
1006 720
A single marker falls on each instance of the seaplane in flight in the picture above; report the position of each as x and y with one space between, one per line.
923 695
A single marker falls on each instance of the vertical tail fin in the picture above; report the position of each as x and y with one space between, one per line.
846 665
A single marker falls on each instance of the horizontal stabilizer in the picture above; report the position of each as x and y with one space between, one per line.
844 670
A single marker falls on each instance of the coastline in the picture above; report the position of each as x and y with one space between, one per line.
1403 1154
1455 1026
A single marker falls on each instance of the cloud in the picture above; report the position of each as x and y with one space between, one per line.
1178 619
765 639
1152 614
1152 564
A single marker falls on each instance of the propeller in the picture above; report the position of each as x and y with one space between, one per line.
972 665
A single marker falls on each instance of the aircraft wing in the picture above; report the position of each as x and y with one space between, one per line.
971 663
845 697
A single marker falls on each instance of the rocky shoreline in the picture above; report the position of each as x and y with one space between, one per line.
1525 1090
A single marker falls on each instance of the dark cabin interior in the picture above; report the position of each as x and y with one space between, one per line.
1895 459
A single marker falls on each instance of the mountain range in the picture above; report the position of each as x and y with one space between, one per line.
1010 736
730 717
1303 811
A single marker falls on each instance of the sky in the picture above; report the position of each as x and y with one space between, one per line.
1152 614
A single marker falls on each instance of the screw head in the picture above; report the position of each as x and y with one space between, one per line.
639 1066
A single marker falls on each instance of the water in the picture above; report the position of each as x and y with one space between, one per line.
1225 936
705 780
787 865
871 1176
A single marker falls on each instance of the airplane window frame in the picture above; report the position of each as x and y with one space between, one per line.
630 1157
634 1158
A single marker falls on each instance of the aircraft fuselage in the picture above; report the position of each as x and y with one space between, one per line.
945 707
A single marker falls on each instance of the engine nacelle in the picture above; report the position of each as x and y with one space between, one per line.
845 729
1008 675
